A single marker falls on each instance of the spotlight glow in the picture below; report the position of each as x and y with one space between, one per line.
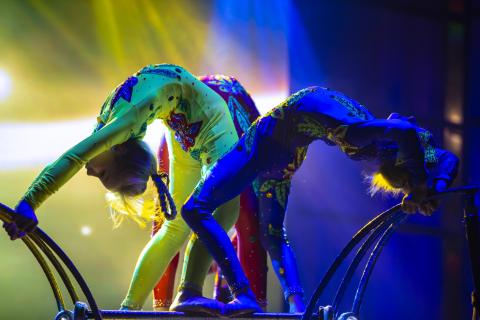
38 143
267 100
86 231
5 85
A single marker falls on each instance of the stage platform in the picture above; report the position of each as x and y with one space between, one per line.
150 315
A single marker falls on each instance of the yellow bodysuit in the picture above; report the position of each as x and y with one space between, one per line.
200 131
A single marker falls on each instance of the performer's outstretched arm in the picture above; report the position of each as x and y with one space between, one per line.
445 170
124 115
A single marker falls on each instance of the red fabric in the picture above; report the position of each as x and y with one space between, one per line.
252 256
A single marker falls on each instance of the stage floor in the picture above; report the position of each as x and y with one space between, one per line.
149 315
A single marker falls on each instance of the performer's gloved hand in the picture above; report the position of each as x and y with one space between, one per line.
24 221
415 200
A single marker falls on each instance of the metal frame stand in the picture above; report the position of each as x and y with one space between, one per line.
472 233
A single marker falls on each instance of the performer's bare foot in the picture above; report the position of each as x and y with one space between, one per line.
244 303
190 301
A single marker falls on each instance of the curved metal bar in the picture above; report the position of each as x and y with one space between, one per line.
73 270
58 266
5 215
359 257
361 234
367 272
372 224
48 273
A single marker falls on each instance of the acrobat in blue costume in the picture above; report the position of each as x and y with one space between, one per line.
274 147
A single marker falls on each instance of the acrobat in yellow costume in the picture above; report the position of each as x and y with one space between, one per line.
200 132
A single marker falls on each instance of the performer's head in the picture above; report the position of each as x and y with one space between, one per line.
390 177
125 170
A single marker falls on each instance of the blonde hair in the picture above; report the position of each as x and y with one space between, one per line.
379 184
142 209
156 199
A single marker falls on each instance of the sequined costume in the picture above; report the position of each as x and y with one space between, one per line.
200 130
249 248
273 148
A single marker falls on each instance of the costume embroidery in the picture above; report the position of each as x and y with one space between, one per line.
279 111
195 154
227 84
353 109
430 153
237 112
292 167
311 127
281 189
337 136
185 133
250 137
124 91
294 98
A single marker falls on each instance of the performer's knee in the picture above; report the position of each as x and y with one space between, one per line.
190 211
194 211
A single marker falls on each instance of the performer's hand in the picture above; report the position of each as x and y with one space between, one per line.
440 185
13 231
24 221
415 201
432 205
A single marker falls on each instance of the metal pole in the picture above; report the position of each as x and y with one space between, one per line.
472 232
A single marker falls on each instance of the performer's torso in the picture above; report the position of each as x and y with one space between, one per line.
187 106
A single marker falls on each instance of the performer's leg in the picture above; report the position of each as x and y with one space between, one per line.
273 203
153 261
224 181
251 253
193 278
162 248
221 291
